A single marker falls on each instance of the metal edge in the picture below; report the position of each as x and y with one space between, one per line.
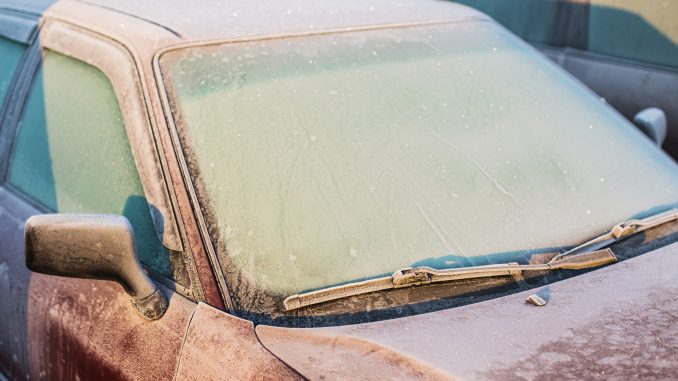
330 31
14 103
188 183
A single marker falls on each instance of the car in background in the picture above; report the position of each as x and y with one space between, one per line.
319 190
625 50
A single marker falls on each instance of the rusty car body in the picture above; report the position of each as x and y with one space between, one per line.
94 93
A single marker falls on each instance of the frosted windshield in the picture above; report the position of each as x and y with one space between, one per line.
325 159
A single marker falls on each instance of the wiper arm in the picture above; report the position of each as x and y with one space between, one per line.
423 275
586 255
620 231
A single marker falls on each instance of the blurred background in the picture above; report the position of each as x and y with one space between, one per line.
624 50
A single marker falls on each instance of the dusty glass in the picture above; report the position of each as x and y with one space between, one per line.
329 158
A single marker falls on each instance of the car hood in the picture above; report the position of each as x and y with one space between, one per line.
619 321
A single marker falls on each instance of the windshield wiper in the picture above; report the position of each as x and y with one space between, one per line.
620 231
423 275
587 255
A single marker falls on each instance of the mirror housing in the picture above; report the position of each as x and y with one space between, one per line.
652 121
92 246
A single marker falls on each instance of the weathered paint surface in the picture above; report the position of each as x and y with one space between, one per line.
275 17
14 277
84 329
618 322
219 346
65 329
638 341
320 355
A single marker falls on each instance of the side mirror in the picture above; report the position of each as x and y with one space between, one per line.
652 121
92 246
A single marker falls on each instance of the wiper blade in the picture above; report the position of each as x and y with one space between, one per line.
423 275
620 231
586 255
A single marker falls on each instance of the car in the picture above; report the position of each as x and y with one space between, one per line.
319 190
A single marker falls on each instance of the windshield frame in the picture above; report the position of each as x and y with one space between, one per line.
209 244
177 146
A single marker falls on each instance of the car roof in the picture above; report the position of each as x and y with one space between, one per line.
35 7
237 18
19 18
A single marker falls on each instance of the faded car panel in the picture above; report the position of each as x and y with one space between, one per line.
80 329
14 279
15 33
243 19
220 346
619 322
58 328
319 354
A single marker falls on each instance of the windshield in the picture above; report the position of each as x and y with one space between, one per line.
325 159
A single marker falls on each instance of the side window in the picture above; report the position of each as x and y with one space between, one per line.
11 53
72 154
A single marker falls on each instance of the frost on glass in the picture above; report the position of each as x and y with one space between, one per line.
72 153
339 157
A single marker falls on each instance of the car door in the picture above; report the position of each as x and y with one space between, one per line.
15 35
78 142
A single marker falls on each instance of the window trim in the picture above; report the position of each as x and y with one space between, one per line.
17 92
199 217
110 58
